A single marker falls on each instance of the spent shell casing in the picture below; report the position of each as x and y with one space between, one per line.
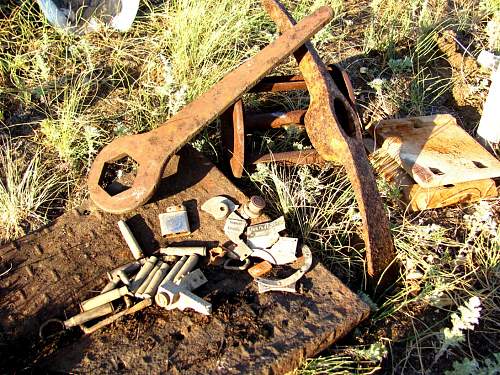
186 267
155 281
110 285
128 268
132 243
175 269
104 298
144 285
124 278
181 251
90 314
142 274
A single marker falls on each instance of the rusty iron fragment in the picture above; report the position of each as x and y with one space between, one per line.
260 269
303 157
235 120
233 137
153 149
335 132
296 82
274 120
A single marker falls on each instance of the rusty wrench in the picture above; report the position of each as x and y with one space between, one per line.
335 132
152 150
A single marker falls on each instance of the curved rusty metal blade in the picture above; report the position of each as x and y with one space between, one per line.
153 149
233 137
334 130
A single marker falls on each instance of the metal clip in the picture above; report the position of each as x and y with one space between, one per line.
242 267
286 284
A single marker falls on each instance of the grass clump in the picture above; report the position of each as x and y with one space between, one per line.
71 132
28 190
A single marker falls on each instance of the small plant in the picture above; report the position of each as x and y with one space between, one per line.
27 190
358 360
468 318
491 366
399 66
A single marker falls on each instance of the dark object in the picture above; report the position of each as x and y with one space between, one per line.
236 121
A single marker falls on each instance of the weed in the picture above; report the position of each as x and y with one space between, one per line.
468 366
356 360
454 336
27 190
69 131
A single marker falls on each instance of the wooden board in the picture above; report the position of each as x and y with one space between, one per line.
420 198
58 267
435 151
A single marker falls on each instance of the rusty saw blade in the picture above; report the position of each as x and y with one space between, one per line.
152 150
335 132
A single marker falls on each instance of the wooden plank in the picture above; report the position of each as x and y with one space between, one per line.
65 263
420 198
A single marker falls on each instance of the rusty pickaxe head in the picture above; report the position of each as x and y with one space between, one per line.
335 132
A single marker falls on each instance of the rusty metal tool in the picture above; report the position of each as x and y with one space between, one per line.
296 82
236 121
153 149
335 133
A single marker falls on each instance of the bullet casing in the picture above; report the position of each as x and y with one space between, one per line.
104 298
181 251
90 314
143 274
144 285
132 243
186 267
155 281
110 285
128 268
175 269
124 278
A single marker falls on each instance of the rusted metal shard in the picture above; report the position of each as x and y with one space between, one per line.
235 120
335 132
152 150
304 157
296 82
233 135
278 119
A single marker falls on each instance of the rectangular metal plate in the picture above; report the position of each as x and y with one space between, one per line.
435 151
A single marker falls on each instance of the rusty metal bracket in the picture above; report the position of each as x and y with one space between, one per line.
153 149
335 132
236 121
